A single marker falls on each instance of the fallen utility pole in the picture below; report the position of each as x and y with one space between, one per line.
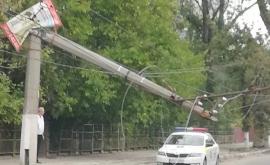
109 65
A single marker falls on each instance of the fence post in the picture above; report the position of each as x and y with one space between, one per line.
14 141
118 141
77 142
60 138
268 138
102 139
47 141
110 138
81 144
92 140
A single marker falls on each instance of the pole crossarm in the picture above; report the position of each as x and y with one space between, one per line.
108 65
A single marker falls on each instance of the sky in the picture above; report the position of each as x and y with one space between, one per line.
251 17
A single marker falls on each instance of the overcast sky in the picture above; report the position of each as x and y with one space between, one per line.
252 18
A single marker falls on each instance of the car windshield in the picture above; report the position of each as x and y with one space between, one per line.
193 140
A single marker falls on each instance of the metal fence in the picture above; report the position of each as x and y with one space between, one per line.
92 138
10 141
103 138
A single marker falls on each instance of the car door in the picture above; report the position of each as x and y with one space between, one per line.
211 149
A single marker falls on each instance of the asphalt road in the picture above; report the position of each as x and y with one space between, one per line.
143 157
261 159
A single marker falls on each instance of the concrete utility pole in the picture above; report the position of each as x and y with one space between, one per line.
28 146
113 67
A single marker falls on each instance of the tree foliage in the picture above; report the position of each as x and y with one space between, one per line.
135 33
11 75
229 50
11 101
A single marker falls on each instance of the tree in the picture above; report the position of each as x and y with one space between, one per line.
259 74
265 13
11 102
224 46
11 73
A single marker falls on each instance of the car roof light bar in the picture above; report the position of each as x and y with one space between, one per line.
190 129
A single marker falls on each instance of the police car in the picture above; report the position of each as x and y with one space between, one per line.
189 146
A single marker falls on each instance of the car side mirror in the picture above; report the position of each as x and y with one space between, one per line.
209 144
161 142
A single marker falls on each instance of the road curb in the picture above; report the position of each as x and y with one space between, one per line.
241 155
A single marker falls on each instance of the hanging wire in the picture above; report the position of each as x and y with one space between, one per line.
254 99
258 103
58 64
11 67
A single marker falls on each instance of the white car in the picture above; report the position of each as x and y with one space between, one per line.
192 146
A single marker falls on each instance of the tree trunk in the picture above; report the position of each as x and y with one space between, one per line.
221 15
206 37
259 139
245 109
206 31
260 133
265 13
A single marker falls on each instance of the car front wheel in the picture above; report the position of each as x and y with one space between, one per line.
217 162
205 162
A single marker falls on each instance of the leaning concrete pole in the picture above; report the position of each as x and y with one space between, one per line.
28 146
109 65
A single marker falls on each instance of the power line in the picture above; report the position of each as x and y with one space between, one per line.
211 94
11 67
161 74
196 89
186 85
184 71
260 102
223 86
64 65
255 97
57 64
244 92
240 94
108 20
260 95
81 68
250 107
241 107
